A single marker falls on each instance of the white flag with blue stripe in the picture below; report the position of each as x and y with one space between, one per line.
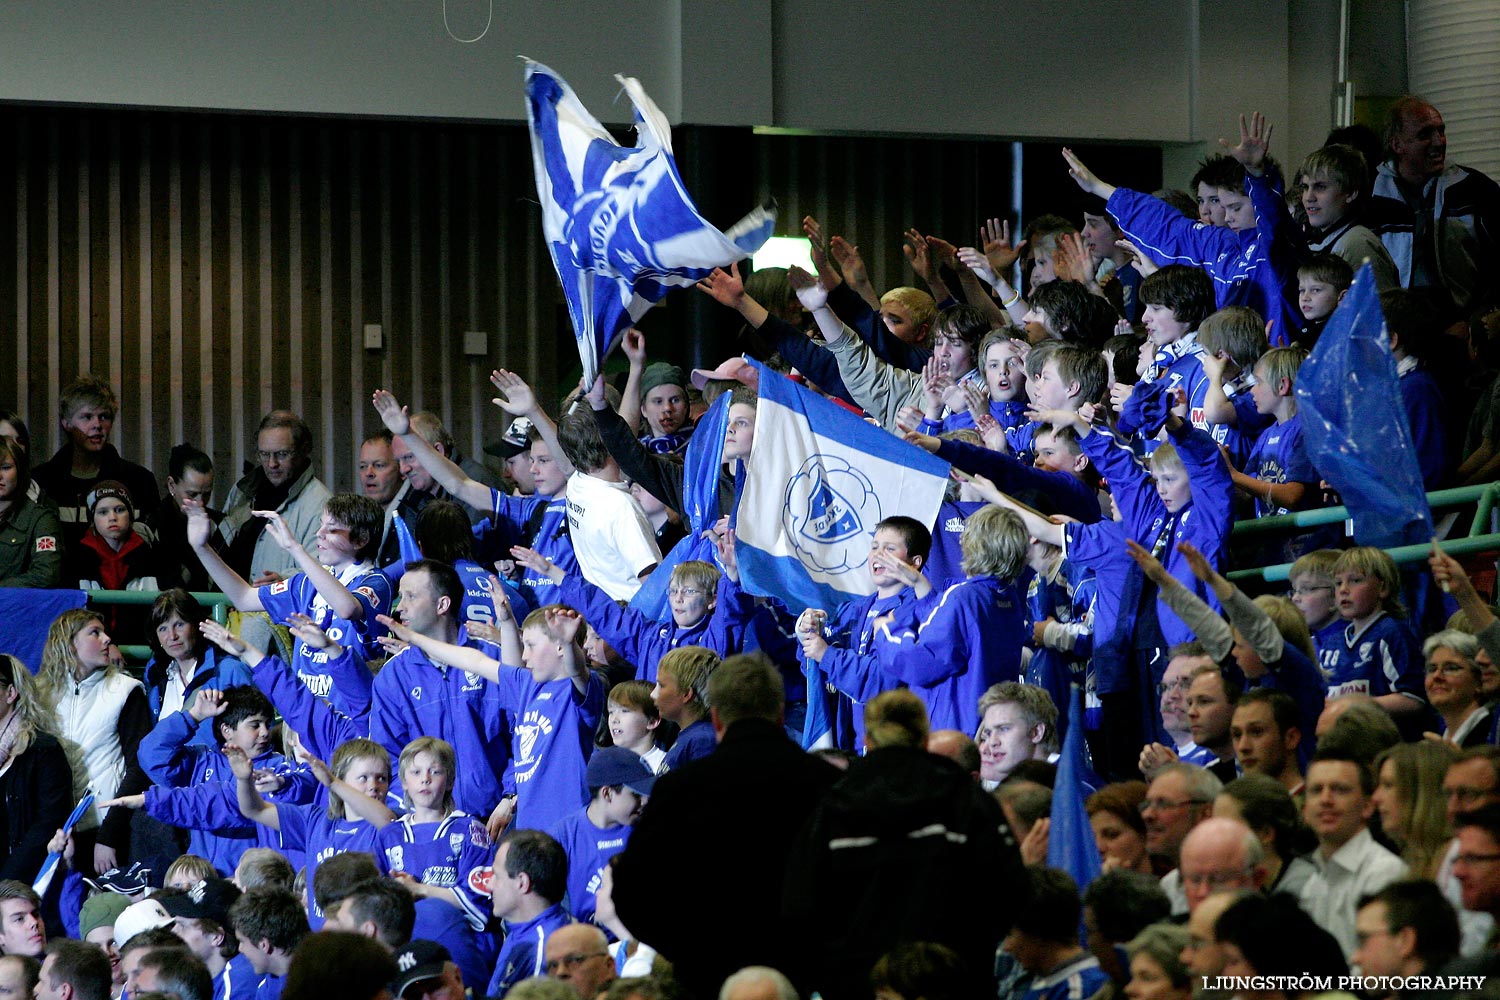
819 479
621 228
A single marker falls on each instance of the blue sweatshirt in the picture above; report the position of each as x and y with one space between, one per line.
850 667
589 849
216 669
309 830
511 516
693 743
1073 497
644 641
211 811
413 697
349 691
553 736
1255 268
951 647
524 953
442 854
321 727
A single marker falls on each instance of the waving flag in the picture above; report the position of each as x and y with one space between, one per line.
406 544
700 481
1070 842
1355 425
618 222
819 479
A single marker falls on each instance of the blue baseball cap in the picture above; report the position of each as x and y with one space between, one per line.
619 766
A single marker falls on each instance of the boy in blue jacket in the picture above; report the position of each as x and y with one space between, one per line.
1252 259
840 654
1185 496
951 647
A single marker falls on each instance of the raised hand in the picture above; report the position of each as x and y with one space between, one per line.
500 600
633 344
277 529
819 244
847 256
976 262
943 252
1149 564
516 397
984 487
239 761
977 401
994 240
564 622
926 442
1057 418
728 557
222 637
1142 263
392 413
594 393
991 433
304 628
935 385
397 629
724 287
537 563
1197 562
199 525
917 253
209 703
810 293
1072 259
1255 144
1084 177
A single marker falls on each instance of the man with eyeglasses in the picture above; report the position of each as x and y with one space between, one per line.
1204 956
1220 853
1178 799
1183 660
1405 929
283 482
578 954
1471 783
1476 867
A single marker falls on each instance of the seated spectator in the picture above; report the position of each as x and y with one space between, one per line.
526 892
1334 183
1349 863
1220 853
1119 831
1117 906
1453 688
74 969
35 774
921 969
183 662
1268 736
1016 722
283 482
31 544
1271 936
1405 929
114 554
578 955
1157 971
1044 942
337 963
1265 805
86 411
1178 799
190 476
1410 802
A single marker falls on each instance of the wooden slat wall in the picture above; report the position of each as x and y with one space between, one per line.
214 267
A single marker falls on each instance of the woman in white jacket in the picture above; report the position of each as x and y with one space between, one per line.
103 713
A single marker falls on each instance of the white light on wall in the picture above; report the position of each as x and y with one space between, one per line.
784 251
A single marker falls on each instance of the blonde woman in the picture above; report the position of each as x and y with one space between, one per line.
35 778
102 715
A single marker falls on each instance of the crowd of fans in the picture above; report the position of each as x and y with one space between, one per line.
536 788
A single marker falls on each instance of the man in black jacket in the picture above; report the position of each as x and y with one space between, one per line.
700 880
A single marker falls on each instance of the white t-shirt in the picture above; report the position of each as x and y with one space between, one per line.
611 537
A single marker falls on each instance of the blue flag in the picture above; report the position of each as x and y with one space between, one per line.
1070 844
407 545
25 616
618 222
1356 427
819 480
700 495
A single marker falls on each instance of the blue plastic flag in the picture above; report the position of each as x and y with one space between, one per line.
407 546
1355 425
700 495
1070 844
49 866
618 222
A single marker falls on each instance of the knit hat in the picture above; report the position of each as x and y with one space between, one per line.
659 373
100 911
105 490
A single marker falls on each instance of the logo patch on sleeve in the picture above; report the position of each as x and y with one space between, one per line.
370 595
46 543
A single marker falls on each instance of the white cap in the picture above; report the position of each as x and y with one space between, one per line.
146 915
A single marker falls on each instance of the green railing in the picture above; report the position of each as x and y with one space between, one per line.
1478 539
217 604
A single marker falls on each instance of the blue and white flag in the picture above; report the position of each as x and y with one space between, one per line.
819 480
1355 424
621 228
49 866
700 491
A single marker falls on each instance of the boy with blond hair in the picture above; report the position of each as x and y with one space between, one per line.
681 696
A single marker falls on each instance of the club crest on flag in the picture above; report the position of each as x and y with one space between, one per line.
829 511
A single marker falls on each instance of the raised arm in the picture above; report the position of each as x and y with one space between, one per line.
517 399
633 343
343 603
462 657
372 811
726 288
199 531
252 806
1210 629
449 476
1042 529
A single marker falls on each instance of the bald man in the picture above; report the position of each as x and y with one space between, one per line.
957 747
1218 854
578 954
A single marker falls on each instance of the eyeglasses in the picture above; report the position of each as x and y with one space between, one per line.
1182 684
1447 669
1218 880
1162 805
572 961
1307 591
283 455
1475 859
684 592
